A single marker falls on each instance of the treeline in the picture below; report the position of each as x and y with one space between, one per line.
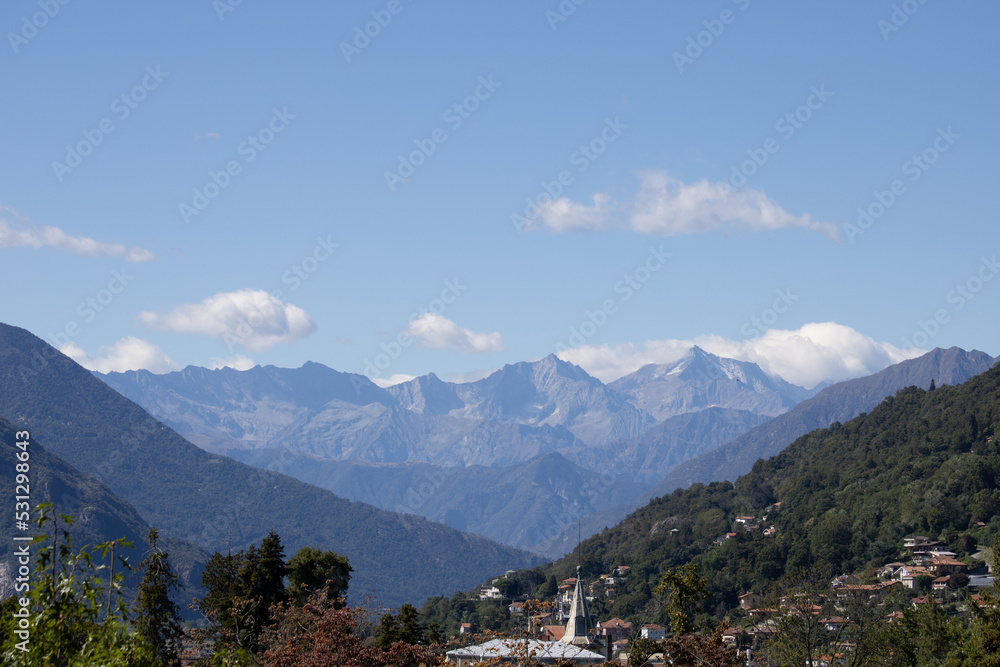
258 609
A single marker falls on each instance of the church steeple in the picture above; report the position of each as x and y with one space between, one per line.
578 626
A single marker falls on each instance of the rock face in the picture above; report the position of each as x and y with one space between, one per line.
701 380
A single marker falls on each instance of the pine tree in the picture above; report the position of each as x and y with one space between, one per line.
387 632
242 587
411 630
311 570
157 616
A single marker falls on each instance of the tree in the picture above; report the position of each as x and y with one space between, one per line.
311 570
548 589
694 650
387 632
984 633
508 587
320 634
157 617
406 628
930 635
684 588
71 620
242 587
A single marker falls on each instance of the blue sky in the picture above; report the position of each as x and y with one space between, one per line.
386 194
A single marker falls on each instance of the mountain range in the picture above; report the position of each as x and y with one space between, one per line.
344 433
219 503
529 456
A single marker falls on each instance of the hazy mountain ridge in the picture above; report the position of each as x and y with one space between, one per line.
649 457
519 505
213 500
548 392
99 515
509 419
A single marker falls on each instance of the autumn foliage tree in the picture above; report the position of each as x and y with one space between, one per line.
321 634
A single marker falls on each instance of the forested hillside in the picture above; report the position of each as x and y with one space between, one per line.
841 500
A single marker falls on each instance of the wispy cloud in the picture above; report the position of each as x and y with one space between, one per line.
127 354
807 356
17 232
437 332
240 362
667 207
398 378
253 319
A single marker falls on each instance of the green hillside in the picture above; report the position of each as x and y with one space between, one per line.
922 462
99 515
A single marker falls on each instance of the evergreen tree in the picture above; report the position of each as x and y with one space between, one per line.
387 632
242 587
157 616
311 570
220 579
411 630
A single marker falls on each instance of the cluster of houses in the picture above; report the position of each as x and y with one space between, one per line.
752 523
565 630
930 558
927 558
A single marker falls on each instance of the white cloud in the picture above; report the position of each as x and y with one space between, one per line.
562 215
668 207
440 333
814 353
252 319
240 362
398 378
127 354
25 234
